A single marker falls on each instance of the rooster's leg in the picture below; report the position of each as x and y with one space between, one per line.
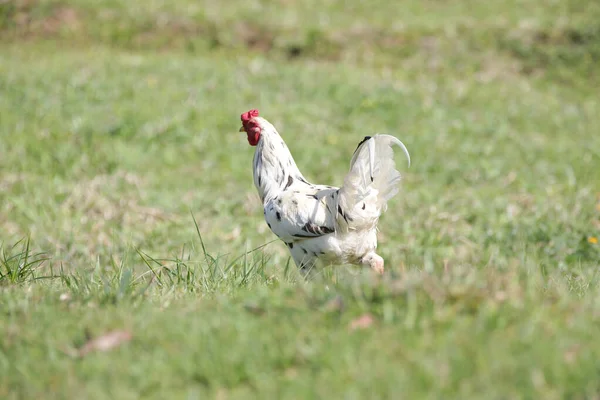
303 259
307 267
374 261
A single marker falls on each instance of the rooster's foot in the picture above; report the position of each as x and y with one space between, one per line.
374 261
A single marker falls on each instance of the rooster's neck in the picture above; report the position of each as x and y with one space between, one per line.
274 166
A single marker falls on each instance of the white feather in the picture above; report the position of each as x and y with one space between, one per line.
323 222
371 182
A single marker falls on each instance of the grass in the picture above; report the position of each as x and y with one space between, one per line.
148 272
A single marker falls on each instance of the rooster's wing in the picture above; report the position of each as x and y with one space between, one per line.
302 211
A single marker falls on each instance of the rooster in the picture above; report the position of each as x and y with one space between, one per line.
319 222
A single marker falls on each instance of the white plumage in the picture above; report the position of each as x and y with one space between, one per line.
319 222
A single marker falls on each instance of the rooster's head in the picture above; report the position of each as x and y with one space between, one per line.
251 126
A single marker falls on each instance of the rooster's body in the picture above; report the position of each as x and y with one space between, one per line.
318 222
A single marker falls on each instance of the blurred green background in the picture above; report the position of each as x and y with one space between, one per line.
119 119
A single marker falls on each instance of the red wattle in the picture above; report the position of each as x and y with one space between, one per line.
253 138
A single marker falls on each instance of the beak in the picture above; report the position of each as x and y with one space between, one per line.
242 129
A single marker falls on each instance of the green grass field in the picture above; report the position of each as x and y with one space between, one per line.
128 213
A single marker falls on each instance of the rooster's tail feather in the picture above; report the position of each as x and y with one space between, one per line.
371 181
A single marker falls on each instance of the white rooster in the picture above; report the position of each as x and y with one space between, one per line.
318 222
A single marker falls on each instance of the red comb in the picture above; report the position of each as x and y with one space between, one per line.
247 116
